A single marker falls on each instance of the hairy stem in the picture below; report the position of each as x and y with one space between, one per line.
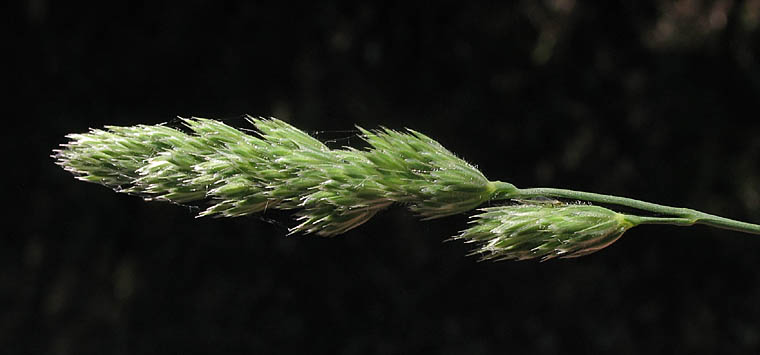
682 216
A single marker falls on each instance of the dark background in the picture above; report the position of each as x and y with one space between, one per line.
655 100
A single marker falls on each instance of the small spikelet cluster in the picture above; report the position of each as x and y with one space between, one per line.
543 230
416 169
282 167
113 156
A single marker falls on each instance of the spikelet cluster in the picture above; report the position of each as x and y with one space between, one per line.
281 167
543 230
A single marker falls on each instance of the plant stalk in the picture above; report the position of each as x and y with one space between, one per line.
679 216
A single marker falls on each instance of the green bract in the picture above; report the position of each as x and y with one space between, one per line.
335 190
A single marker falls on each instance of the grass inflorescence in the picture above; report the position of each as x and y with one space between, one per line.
336 190
281 167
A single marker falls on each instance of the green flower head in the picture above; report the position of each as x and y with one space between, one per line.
234 173
280 167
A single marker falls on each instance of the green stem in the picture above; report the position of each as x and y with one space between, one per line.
676 221
683 216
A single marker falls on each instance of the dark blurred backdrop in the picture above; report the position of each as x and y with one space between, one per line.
655 100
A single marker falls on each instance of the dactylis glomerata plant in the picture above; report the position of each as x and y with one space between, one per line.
335 190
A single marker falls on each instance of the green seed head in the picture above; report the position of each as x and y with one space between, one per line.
280 167
543 230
